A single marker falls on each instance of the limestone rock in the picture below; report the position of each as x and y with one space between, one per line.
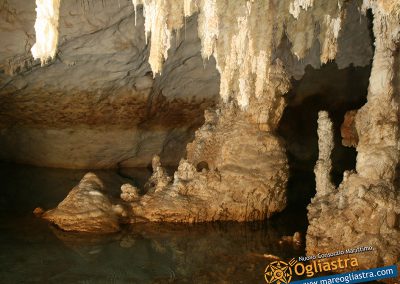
323 166
85 209
361 212
242 164
365 221
38 211
129 192
159 179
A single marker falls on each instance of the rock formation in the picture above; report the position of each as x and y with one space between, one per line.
129 193
46 27
323 167
86 208
245 178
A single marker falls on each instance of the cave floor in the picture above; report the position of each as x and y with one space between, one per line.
32 251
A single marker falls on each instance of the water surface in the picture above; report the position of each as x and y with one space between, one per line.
32 251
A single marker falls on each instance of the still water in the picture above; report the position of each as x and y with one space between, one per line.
32 251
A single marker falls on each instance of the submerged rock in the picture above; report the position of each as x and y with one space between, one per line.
38 211
86 209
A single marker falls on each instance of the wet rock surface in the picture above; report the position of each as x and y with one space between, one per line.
86 209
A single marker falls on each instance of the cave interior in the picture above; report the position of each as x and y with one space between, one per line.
154 141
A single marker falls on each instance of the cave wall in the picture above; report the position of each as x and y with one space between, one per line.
97 105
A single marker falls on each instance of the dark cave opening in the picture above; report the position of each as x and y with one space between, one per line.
336 91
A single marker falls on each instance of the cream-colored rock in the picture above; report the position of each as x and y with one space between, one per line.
100 80
243 45
85 209
323 166
343 219
129 193
360 212
236 167
159 179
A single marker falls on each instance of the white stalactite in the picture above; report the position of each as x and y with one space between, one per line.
296 6
330 44
242 36
46 28
208 27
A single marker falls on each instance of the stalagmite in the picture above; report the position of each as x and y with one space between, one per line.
46 27
324 164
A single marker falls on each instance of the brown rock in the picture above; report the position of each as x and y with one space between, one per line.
85 209
129 193
38 211
348 129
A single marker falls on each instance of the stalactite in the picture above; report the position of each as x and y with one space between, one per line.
242 36
296 6
46 28
208 27
329 44
189 7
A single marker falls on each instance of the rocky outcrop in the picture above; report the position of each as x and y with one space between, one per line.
86 209
236 167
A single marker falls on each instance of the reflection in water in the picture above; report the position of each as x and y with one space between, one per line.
32 251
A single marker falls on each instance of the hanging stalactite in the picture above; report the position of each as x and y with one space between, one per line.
46 28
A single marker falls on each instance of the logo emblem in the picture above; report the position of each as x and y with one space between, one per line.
279 272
